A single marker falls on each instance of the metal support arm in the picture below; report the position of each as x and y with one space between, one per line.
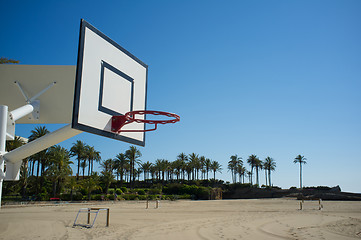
40 144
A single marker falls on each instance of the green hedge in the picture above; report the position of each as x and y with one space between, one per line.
198 192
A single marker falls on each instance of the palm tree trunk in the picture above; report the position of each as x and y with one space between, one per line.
89 168
265 174
121 178
54 188
251 176
30 168
77 176
58 185
257 178
38 168
300 175
269 177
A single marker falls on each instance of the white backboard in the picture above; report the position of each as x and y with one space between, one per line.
109 81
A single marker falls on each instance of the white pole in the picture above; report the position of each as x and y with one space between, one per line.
22 111
40 144
3 124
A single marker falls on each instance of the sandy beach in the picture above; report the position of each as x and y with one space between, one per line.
219 219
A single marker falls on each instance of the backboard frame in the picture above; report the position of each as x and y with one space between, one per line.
76 124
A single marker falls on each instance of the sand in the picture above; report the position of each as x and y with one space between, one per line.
218 219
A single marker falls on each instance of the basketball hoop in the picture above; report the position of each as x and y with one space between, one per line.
119 121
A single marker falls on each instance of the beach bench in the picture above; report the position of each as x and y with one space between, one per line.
89 211
157 203
320 205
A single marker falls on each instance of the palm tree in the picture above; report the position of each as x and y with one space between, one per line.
83 165
241 170
59 168
207 165
127 172
194 164
133 154
40 157
252 162
249 175
146 169
35 134
78 150
91 183
91 154
120 163
182 157
189 170
24 174
216 167
154 172
301 160
161 166
107 165
233 165
265 173
107 173
169 169
11 145
269 165
201 165
73 185
177 167
258 166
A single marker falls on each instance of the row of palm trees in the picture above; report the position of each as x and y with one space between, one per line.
85 156
185 167
55 163
125 166
235 165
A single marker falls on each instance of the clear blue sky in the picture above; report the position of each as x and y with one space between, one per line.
271 78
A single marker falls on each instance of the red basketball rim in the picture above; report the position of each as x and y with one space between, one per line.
130 116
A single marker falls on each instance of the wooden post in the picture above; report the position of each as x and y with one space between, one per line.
108 212
300 205
147 204
88 216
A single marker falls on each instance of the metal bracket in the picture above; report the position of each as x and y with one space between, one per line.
118 122
33 100
10 128
2 160
12 172
36 112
